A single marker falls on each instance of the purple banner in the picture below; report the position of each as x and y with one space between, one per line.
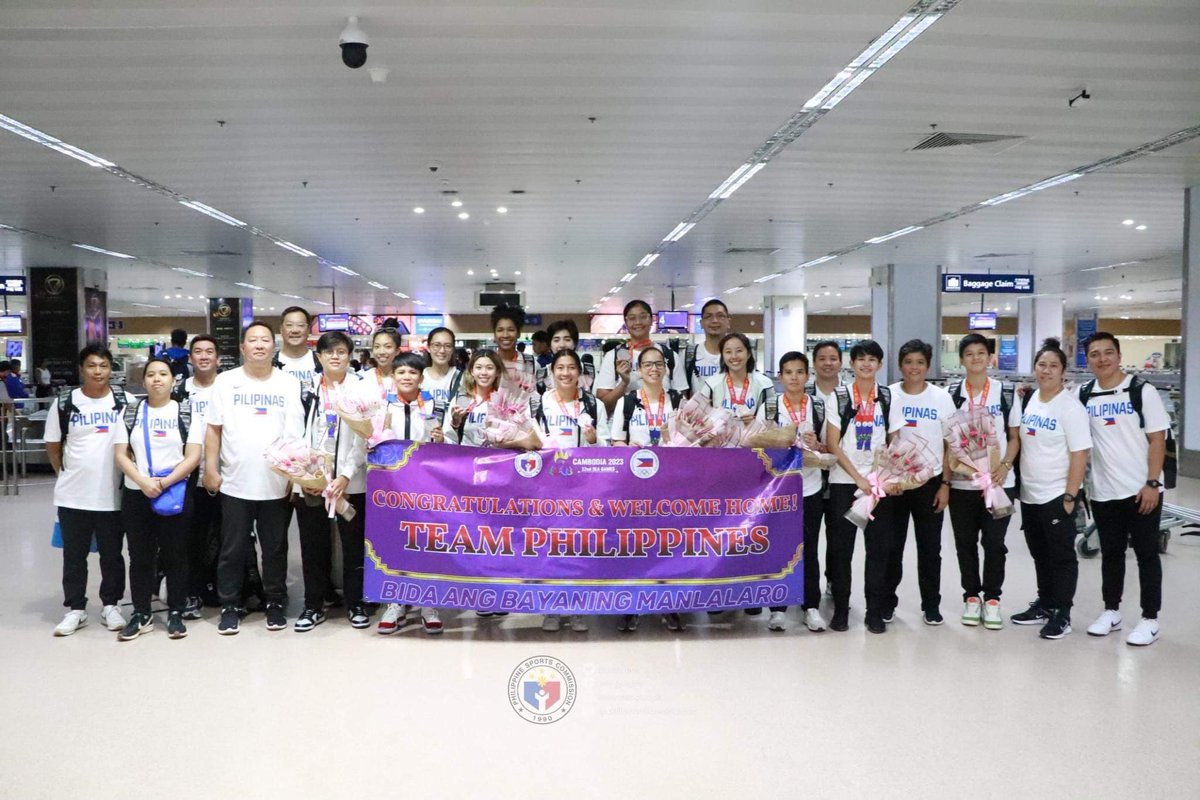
585 530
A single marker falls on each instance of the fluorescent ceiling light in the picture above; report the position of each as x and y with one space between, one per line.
320 303
679 231
816 261
750 173
250 286
102 251
212 212
647 260
343 270
737 173
1035 187
856 305
882 41
614 290
734 182
628 277
905 40
1126 222
894 234
418 210
145 305
419 302
766 278
734 290
1140 228
688 305
401 295
847 88
46 140
376 284
827 90
292 296
297 249
186 271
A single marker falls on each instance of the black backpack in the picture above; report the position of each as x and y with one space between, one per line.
847 410
180 367
1007 394
539 411
185 417
632 402
66 407
1088 390
818 412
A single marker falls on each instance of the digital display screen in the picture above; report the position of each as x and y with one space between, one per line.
12 324
333 322
14 349
673 319
981 321
12 285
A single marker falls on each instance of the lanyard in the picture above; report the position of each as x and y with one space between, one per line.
386 389
734 400
659 419
865 412
797 419
477 401
983 395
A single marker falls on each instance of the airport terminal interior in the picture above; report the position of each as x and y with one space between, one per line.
861 170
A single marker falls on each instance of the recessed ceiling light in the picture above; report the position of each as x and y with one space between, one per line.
178 296
418 210
272 308
502 210
827 294
464 215
456 203
1124 316
1140 228
166 297
470 272
516 272
1126 222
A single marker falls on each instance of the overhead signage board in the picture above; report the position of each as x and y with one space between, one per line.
967 283
13 286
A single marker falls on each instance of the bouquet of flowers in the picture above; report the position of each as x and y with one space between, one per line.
698 424
509 422
975 452
308 468
907 463
363 415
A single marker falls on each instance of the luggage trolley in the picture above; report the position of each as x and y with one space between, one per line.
1173 516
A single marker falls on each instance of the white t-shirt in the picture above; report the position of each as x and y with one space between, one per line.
472 425
412 421
707 365
439 388
520 370
253 414
561 427
303 368
1120 450
635 431
166 444
992 400
804 422
324 430
925 415
861 453
753 391
606 378
1050 432
829 400
377 385
199 397
89 479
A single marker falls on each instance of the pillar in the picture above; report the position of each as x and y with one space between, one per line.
785 327
906 303
1038 318
1188 409
227 318
68 308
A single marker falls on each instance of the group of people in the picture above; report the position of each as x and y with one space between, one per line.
183 467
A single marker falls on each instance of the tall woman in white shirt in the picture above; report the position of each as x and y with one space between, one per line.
1055 440
739 387
157 542
468 411
441 376
385 346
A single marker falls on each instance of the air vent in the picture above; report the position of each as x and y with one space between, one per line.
978 142
201 253
751 251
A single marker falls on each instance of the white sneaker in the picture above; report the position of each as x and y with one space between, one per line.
73 621
112 618
431 621
1144 633
551 623
992 618
391 620
579 623
776 622
813 621
972 611
1106 623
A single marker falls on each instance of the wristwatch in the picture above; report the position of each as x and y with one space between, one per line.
1154 484
1068 498
1006 464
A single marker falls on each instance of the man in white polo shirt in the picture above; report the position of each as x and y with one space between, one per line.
249 408
1129 440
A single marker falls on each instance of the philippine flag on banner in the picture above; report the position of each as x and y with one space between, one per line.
645 463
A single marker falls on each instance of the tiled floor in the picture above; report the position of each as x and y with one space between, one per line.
726 709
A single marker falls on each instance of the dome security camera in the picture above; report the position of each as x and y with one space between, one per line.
354 44
433 166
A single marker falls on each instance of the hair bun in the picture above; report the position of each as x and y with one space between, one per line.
1051 343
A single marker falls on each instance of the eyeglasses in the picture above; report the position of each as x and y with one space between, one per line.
652 365
441 347
638 318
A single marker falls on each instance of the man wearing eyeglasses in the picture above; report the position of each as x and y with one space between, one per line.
702 361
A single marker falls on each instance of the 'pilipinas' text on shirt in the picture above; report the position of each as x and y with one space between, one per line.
1040 422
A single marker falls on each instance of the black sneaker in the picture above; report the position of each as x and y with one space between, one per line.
933 617
628 624
889 616
309 618
192 608
753 612
1034 615
1058 626
332 598
840 621
875 623
231 621
137 625
359 616
674 622
175 627
276 620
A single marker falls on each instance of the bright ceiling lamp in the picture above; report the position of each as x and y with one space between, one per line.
343 270
295 248
376 284
905 40
734 182
647 260
766 278
881 42
250 286
679 231
816 261
894 234
1057 180
212 212
734 290
46 140
102 251
196 273
401 295
628 277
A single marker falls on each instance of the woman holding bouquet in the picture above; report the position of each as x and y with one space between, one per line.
519 368
973 523
570 417
738 386
346 451
1055 440
856 432
640 420
468 412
